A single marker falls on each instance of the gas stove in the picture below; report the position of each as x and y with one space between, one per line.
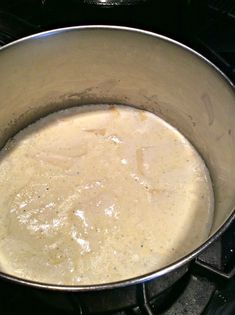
208 286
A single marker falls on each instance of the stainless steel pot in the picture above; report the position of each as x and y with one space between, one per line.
99 64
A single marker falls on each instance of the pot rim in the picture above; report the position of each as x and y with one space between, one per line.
169 268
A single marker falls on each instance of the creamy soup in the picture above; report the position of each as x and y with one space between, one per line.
97 194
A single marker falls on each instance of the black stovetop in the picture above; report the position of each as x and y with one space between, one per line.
208 287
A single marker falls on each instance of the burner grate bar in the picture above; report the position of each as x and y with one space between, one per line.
221 274
143 300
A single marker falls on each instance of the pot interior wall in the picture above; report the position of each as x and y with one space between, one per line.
86 66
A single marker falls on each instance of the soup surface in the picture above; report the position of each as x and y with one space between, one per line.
97 194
